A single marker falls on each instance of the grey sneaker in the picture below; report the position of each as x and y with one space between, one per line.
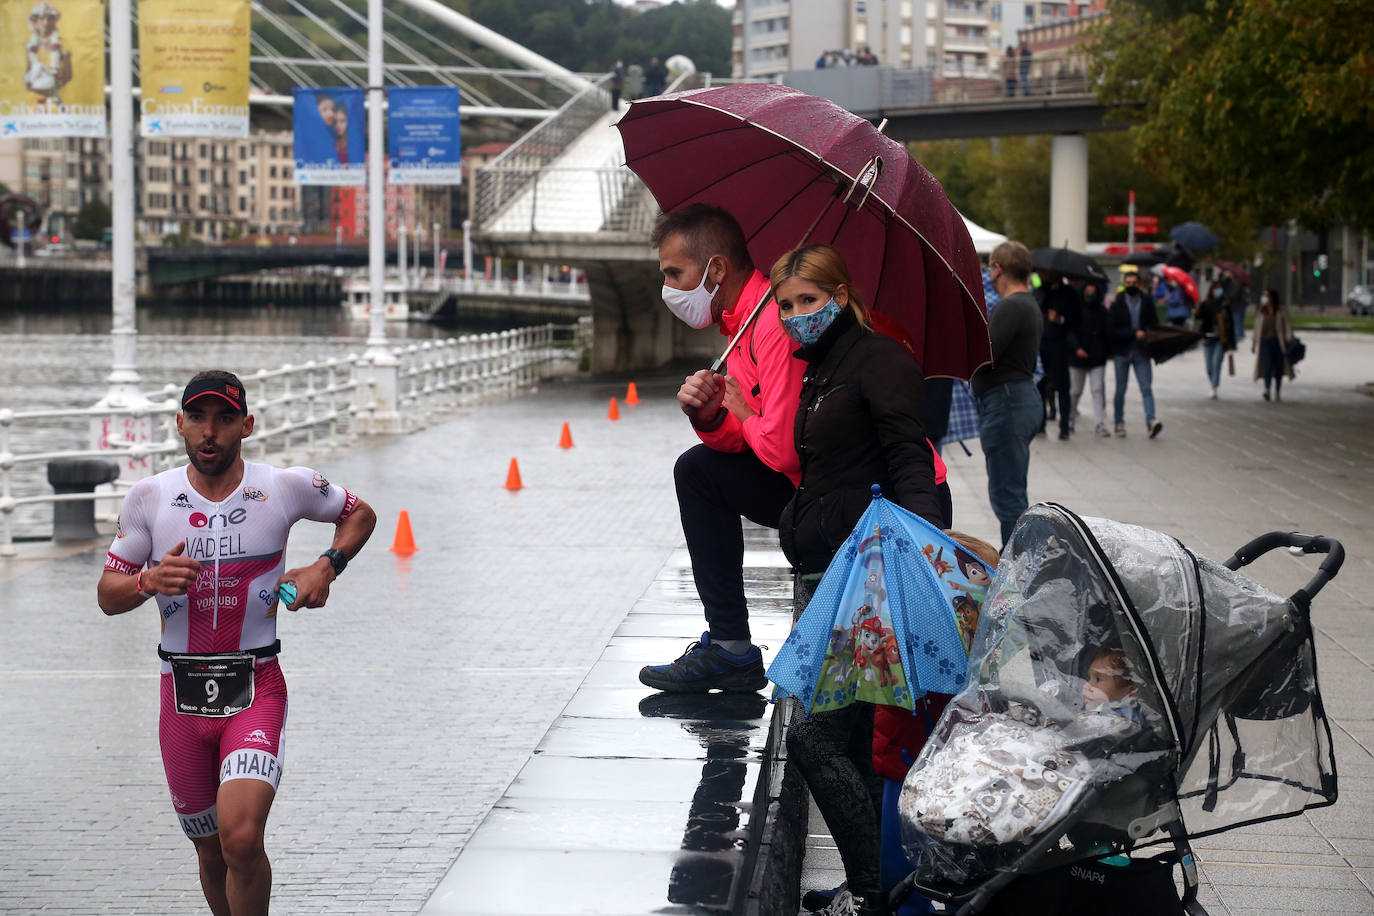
1120 430
1102 432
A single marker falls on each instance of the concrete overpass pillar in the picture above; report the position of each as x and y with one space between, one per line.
631 327
1069 192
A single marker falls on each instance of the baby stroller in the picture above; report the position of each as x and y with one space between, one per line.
1124 694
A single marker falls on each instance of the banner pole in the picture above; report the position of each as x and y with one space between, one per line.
384 415
123 379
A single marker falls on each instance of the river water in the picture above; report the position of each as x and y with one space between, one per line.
60 358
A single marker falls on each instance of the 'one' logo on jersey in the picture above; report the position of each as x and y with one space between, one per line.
254 494
182 502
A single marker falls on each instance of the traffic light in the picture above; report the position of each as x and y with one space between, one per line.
1319 265
55 239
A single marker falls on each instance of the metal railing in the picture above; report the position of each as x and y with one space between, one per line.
506 176
578 200
301 411
530 288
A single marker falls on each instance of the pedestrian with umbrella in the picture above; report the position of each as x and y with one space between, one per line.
746 464
858 425
1062 310
793 169
1131 315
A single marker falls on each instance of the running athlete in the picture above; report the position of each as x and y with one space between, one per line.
208 542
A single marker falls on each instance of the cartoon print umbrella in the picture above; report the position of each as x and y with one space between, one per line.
891 620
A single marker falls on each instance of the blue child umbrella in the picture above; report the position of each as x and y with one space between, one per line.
891 620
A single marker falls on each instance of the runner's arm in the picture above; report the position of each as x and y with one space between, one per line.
121 590
313 581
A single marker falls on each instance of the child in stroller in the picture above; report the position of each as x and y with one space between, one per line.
1200 712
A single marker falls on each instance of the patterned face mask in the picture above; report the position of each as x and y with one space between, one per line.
807 329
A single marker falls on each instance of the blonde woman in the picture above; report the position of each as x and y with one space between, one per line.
859 423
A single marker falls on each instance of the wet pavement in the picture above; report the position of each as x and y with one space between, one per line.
429 696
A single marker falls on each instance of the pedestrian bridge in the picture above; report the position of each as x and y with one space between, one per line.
562 192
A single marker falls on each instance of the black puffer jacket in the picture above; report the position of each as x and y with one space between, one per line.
859 423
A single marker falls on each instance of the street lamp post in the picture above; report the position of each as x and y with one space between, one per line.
381 372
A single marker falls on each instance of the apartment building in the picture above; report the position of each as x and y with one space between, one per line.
961 39
207 189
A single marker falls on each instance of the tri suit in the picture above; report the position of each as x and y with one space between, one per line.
231 607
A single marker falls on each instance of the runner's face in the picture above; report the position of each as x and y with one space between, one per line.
214 435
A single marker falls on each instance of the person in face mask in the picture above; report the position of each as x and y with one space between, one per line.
1213 316
858 424
746 464
859 419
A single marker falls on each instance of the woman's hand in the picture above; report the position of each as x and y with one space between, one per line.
734 400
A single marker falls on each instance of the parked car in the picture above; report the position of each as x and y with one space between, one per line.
1360 301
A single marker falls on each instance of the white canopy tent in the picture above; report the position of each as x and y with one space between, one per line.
984 240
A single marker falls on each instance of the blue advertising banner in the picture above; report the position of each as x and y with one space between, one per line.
422 135
330 145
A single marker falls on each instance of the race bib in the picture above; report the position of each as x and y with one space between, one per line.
213 686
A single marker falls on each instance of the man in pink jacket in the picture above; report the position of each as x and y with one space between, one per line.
747 463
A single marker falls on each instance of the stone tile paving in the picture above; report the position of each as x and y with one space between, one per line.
416 695
1222 472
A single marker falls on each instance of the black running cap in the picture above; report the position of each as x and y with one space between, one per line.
217 386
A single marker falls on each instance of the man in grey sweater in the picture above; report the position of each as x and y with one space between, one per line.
1009 407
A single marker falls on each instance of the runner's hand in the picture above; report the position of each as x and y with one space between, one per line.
701 394
173 574
312 584
734 400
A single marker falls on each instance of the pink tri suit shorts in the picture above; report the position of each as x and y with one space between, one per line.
200 753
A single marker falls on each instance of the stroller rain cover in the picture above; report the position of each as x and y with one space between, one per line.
1118 684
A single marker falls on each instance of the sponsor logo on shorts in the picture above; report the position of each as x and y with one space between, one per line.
320 483
254 494
251 764
258 736
182 502
200 825
177 802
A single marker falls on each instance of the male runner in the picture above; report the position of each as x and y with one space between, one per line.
213 538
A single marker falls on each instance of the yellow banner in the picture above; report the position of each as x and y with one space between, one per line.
52 68
194 63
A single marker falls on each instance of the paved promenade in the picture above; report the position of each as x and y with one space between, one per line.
421 691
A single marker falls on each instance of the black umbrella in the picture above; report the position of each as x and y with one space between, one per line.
1194 236
1166 341
1069 263
1146 258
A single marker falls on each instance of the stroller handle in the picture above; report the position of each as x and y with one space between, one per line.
1307 543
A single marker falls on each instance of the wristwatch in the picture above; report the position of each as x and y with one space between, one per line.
336 559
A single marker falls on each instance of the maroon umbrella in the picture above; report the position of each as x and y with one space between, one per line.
796 169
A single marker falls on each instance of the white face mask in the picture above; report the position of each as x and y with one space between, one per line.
692 306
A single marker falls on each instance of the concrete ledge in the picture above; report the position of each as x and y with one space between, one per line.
643 802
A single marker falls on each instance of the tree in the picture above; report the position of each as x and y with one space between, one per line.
92 219
1256 110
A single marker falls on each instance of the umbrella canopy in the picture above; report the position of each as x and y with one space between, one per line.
1194 236
1145 258
1069 263
796 169
891 620
1182 278
1237 269
1166 341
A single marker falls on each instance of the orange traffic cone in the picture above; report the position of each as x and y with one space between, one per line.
614 412
404 542
513 477
565 440
632 395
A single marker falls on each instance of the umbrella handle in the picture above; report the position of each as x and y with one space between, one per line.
748 322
